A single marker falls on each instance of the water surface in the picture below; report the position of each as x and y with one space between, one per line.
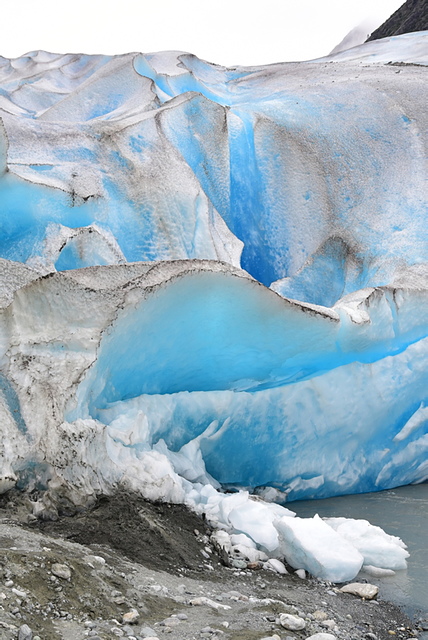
401 512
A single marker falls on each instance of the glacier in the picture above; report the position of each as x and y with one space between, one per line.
216 279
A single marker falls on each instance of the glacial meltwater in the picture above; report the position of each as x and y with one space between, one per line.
401 512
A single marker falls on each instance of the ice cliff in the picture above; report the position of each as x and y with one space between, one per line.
214 277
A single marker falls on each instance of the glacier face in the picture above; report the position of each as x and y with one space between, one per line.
214 276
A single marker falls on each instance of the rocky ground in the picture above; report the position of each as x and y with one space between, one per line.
133 569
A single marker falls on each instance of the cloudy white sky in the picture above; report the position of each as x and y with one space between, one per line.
223 31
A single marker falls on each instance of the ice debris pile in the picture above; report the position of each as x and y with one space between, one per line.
217 278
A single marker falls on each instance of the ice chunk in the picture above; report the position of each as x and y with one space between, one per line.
377 547
241 538
255 520
276 565
377 572
309 543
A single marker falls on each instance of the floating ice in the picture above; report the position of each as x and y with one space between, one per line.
217 278
377 547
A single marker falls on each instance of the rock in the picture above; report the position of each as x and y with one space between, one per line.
202 600
293 623
147 632
170 622
130 617
329 624
236 563
20 594
363 590
236 595
319 615
322 636
25 633
61 571
95 561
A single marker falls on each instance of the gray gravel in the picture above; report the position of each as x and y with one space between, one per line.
52 587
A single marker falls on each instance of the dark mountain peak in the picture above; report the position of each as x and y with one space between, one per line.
411 16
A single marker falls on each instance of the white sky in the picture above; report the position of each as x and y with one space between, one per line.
227 32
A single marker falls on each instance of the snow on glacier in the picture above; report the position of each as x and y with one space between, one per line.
217 278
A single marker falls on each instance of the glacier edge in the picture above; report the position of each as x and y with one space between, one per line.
216 279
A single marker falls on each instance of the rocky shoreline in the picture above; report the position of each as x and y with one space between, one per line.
134 569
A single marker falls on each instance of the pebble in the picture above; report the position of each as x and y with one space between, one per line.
366 591
94 561
25 633
8 583
322 636
131 617
61 571
329 624
238 564
170 622
202 600
290 622
319 615
236 595
129 631
147 632
89 624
